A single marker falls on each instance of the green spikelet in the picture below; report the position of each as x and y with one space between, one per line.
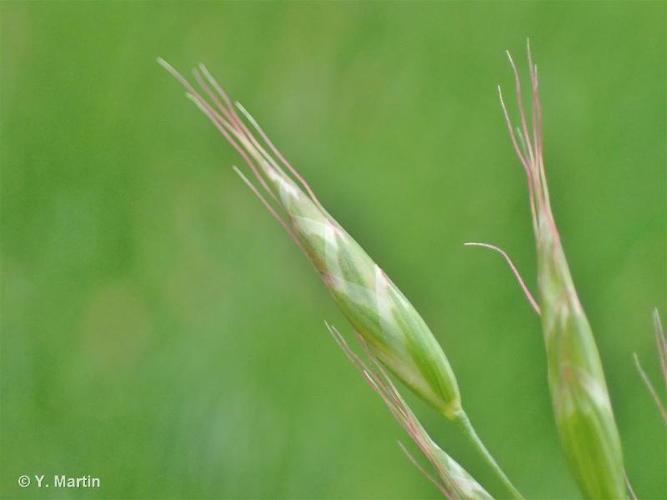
389 325
581 405
388 322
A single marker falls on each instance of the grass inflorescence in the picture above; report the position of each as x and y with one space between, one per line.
395 338
394 332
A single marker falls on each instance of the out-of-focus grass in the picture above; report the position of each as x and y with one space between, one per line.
161 332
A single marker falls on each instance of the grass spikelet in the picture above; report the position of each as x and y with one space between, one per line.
581 404
452 480
390 326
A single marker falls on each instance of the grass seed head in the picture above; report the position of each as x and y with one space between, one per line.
392 328
580 399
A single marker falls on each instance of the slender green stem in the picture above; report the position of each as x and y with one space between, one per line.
472 436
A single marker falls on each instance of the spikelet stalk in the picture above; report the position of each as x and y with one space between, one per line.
452 480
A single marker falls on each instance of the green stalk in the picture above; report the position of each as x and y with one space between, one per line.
452 480
471 435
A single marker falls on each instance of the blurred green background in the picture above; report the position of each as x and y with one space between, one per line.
161 332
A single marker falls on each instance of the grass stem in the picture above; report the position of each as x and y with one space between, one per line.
470 433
